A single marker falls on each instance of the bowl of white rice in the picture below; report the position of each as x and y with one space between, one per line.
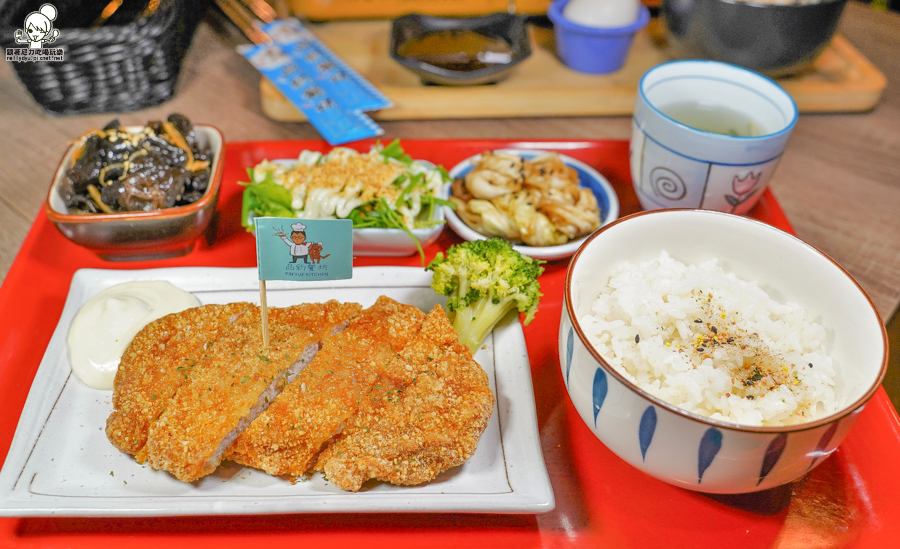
716 352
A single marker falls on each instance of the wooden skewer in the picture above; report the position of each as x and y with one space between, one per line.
264 309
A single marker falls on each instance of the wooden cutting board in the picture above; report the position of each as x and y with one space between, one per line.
842 80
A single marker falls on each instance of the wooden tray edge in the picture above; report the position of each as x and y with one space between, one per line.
862 93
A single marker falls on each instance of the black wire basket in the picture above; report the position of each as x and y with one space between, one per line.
122 65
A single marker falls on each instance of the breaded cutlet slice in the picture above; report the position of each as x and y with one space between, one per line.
425 415
233 382
150 371
286 438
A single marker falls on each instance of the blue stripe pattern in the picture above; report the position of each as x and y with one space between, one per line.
773 452
710 444
701 160
570 345
823 443
599 392
646 430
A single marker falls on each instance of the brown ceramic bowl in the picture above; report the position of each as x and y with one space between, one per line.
131 236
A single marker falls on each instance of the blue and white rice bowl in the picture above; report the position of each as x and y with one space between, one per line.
688 449
588 177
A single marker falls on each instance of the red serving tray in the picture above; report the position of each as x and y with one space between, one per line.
851 500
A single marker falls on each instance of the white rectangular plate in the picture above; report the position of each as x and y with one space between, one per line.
60 462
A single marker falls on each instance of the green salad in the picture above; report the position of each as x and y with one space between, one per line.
383 188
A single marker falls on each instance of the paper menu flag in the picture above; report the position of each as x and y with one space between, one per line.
304 249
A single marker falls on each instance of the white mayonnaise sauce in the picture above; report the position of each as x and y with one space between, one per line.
105 325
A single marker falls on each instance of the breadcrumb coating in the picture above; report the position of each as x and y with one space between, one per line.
286 438
149 373
233 379
425 415
387 393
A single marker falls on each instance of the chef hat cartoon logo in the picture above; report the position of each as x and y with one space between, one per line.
38 28
298 233
296 241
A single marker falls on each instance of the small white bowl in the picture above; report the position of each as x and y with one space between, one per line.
686 449
588 177
380 242
394 242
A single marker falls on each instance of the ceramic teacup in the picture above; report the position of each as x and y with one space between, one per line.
707 135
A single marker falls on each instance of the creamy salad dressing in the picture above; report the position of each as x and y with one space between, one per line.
105 325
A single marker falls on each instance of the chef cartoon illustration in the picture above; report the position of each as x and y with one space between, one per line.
297 242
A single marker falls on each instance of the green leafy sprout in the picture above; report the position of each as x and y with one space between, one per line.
264 198
483 280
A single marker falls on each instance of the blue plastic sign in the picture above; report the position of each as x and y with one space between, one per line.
335 123
339 80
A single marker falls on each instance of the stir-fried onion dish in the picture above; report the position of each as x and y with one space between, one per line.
115 170
536 201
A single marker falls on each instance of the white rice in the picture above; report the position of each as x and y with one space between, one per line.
699 338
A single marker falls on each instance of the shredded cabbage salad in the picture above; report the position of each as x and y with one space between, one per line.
383 188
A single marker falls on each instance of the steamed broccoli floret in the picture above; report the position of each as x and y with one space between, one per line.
483 280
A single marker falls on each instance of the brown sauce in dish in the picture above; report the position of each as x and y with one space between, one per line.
457 50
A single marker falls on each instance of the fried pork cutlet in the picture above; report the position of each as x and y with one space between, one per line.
234 380
424 415
286 438
150 371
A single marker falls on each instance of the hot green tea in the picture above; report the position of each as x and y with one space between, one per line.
713 118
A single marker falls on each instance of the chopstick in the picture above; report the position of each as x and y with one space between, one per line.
244 19
281 8
261 9
107 12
